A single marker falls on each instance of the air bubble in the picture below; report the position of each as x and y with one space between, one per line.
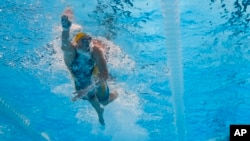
6 38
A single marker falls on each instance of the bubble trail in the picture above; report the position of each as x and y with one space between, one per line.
172 26
21 122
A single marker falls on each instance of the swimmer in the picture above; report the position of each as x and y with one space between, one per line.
85 60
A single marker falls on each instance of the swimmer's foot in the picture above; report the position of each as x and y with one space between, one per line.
100 116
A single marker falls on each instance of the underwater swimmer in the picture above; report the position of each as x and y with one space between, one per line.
85 60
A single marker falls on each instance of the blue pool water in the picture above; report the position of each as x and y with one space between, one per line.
36 88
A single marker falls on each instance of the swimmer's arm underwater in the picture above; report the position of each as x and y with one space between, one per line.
80 94
86 93
100 61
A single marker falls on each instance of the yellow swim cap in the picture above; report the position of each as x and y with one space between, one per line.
79 36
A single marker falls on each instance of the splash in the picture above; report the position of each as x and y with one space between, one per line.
117 59
119 125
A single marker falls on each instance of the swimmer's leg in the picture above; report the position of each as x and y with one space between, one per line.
95 103
112 97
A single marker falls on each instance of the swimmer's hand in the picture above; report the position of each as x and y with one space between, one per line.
81 94
86 93
66 23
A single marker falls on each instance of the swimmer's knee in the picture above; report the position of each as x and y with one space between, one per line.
114 95
104 103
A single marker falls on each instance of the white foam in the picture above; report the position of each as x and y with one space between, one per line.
123 115
115 57
64 89
120 116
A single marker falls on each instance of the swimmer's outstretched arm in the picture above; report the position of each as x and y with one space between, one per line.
67 47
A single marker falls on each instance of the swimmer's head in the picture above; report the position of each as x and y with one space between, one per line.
79 36
82 38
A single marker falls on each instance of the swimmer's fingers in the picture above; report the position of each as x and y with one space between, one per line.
74 99
78 96
79 92
64 19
